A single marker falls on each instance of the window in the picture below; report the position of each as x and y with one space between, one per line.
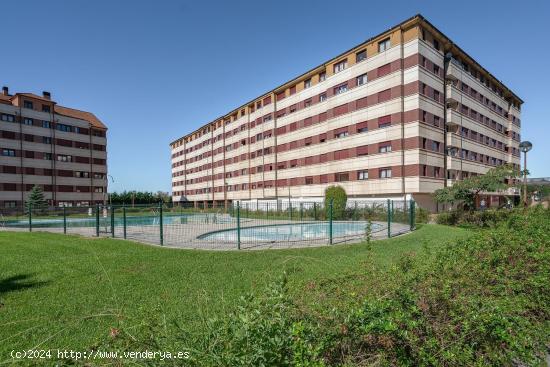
384 45
436 69
10 204
435 146
322 76
46 124
342 65
45 108
341 89
360 56
322 97
8 152
48 156
384 148
6 117
64 158
361 79
342 177
436 44
436 95
99 175
46 140
98 189
27 121
81 174
363 129
62 127
307 103
385 173
27 104
309 180
76 130
363 175
383 125
307 83
342 134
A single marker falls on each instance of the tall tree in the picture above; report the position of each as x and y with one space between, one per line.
36 199
464 192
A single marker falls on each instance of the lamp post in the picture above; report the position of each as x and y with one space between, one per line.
107 195
525 146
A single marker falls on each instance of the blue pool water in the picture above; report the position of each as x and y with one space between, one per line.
142 220
291 232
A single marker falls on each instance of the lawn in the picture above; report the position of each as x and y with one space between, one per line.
66 292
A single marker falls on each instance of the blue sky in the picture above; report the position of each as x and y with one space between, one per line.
155 70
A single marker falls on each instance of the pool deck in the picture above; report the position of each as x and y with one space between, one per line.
184 236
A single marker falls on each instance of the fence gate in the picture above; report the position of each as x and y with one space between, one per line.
105 219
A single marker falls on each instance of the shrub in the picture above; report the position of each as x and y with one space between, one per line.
483 301
482 218
449 218
421 215
339 199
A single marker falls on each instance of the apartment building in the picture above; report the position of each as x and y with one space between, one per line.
61 149
400 115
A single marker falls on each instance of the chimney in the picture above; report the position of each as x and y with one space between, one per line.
47 95
5 91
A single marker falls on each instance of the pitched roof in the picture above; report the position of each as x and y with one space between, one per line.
35 96
82 115
5 99
60 110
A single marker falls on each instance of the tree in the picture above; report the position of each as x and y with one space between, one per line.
36 199
465 191
339 199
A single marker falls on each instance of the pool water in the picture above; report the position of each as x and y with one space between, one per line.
141 220
291 232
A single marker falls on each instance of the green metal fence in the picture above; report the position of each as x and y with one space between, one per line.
246 225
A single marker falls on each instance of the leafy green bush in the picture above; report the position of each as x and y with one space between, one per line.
481 218
421 215
483 301
449 218
339 199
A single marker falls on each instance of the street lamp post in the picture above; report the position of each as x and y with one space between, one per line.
525 146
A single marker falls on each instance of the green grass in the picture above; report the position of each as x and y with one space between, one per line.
67 292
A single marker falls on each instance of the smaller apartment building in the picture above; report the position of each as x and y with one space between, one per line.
403 114
61 149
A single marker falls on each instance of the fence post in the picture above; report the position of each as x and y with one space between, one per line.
330 211
124 220
64 219
160 224
290 210
112 221
97 220
238 225
389 217
30 217
301 212
314 211
412 214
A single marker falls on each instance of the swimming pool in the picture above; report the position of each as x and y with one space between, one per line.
291 232
141 220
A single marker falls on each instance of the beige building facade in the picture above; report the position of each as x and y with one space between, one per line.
60 149
398 116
